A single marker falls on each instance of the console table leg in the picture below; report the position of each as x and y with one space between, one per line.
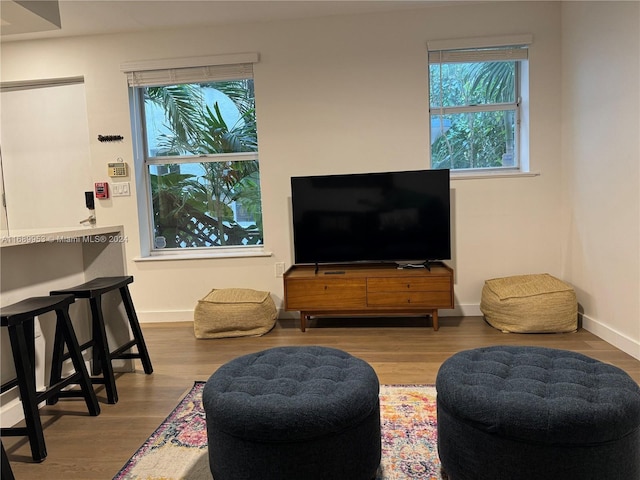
303 321
434 318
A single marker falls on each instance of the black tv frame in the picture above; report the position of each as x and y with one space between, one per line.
333 216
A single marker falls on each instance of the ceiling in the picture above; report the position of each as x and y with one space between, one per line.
31 19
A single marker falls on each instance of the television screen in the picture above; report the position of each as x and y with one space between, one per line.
372 217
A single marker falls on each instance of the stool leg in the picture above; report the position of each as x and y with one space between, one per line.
137 331
7 473
103 354
27 388
64 324
56 362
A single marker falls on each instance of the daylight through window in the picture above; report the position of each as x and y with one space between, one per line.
475 107
200 149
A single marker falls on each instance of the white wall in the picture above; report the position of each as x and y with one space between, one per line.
601 151
334 95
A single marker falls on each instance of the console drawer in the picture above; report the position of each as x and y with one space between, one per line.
409 284
325 294
440 299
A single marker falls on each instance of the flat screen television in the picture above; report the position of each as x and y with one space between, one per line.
401 217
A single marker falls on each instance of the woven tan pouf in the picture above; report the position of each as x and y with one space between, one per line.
538 303
234 312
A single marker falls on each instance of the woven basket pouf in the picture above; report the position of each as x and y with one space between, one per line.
293 413
234 312
534 413
538 303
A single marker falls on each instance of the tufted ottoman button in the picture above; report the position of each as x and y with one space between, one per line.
525 413
293 413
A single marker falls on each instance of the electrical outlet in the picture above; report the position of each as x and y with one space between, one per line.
279 269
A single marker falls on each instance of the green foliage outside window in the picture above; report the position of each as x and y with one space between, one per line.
473 115
195 202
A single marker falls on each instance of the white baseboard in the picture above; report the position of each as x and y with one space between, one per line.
12 412
187 315
165 316
467 310
612 336
606 333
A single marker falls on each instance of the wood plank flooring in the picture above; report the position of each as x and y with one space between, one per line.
401 350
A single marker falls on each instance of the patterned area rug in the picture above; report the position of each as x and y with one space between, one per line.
178 447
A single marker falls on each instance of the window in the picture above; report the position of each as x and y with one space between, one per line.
475 104
198 142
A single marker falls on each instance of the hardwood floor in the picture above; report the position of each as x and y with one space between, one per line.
402 351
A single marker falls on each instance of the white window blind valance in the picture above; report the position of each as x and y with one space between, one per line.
484 49
190 70
152 78
485 55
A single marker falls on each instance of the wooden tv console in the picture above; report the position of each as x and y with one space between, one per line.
367 290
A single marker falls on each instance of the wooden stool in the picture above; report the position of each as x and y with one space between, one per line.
102 354
19 319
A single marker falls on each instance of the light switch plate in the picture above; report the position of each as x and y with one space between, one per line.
120 189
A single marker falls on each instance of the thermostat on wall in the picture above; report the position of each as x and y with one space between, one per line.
118 169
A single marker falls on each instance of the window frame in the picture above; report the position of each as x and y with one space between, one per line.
208 69
487 49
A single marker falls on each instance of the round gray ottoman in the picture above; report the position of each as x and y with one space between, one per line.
532 413
293 413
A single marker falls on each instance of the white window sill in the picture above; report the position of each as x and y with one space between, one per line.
171 256
491 174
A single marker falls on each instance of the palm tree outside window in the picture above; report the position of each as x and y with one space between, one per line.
475 108
200 151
